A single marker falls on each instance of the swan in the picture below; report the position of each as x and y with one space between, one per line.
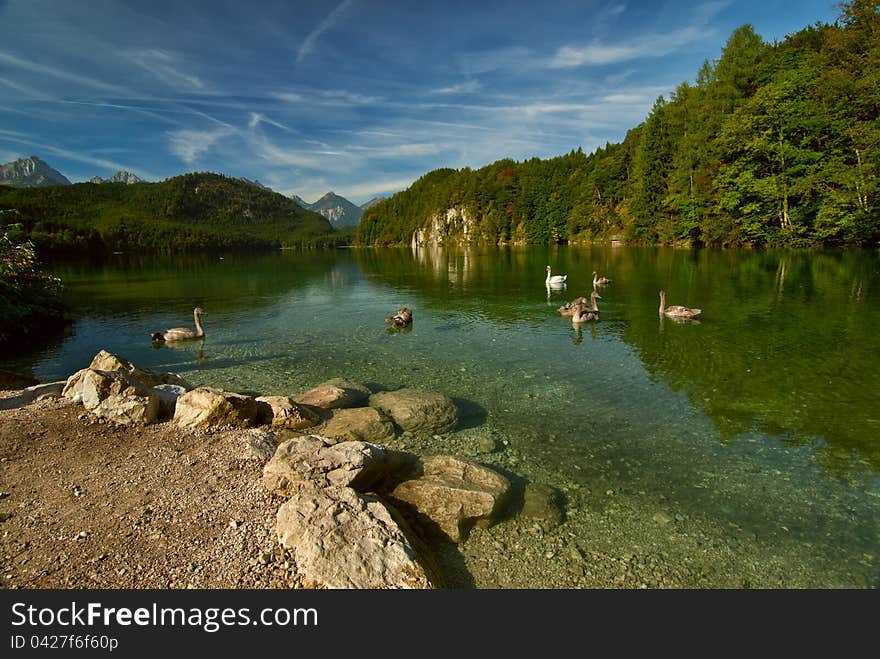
180 333
567 309
676 311
401 318
582 314
555 280
600 281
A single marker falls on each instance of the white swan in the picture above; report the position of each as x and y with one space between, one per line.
181 333
555 280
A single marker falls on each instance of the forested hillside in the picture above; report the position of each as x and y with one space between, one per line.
772 144
184 213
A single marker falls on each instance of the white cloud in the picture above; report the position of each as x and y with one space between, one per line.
190 144
645 46
468 87
308 44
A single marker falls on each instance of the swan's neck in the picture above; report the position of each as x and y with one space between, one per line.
662 302
595 304
199 330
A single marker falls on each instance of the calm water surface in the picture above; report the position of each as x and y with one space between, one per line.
763 416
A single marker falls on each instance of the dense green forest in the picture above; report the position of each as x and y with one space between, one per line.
197 211
773 144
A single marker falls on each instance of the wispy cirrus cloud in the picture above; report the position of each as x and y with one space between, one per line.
20 63
650 45
308 44
258 118
167 67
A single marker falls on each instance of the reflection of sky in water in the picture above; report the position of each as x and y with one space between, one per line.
747 416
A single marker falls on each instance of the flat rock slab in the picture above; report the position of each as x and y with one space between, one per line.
206 406
451 495
324 462
32 393
342 539
335 394
365 424
418 410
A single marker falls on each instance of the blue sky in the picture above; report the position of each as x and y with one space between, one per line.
357 96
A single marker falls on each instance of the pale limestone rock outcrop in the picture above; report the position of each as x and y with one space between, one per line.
287 413
418 410
452 494
106 361
323 462
334 394
366 424
116 396
207 406
342 539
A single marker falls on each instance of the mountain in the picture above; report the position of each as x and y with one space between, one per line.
339 211
30 173
372 202
121 176
256 183
198 211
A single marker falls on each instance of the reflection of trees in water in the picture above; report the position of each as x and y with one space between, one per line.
784 348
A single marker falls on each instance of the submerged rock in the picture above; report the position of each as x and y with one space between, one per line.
365 424
418 410
335 393
543 502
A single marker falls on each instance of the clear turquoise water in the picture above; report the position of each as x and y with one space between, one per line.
763 415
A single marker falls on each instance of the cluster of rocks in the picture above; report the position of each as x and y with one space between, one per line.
356 515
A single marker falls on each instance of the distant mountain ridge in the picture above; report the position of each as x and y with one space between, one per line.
30 172
338 210
191 212
372 202
122 176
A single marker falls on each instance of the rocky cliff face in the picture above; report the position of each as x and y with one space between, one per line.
121 176
30 172
455 227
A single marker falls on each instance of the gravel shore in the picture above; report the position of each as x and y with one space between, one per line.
89 504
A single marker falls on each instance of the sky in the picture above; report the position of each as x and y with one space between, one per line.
361 97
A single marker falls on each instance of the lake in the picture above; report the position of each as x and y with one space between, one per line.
761 419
